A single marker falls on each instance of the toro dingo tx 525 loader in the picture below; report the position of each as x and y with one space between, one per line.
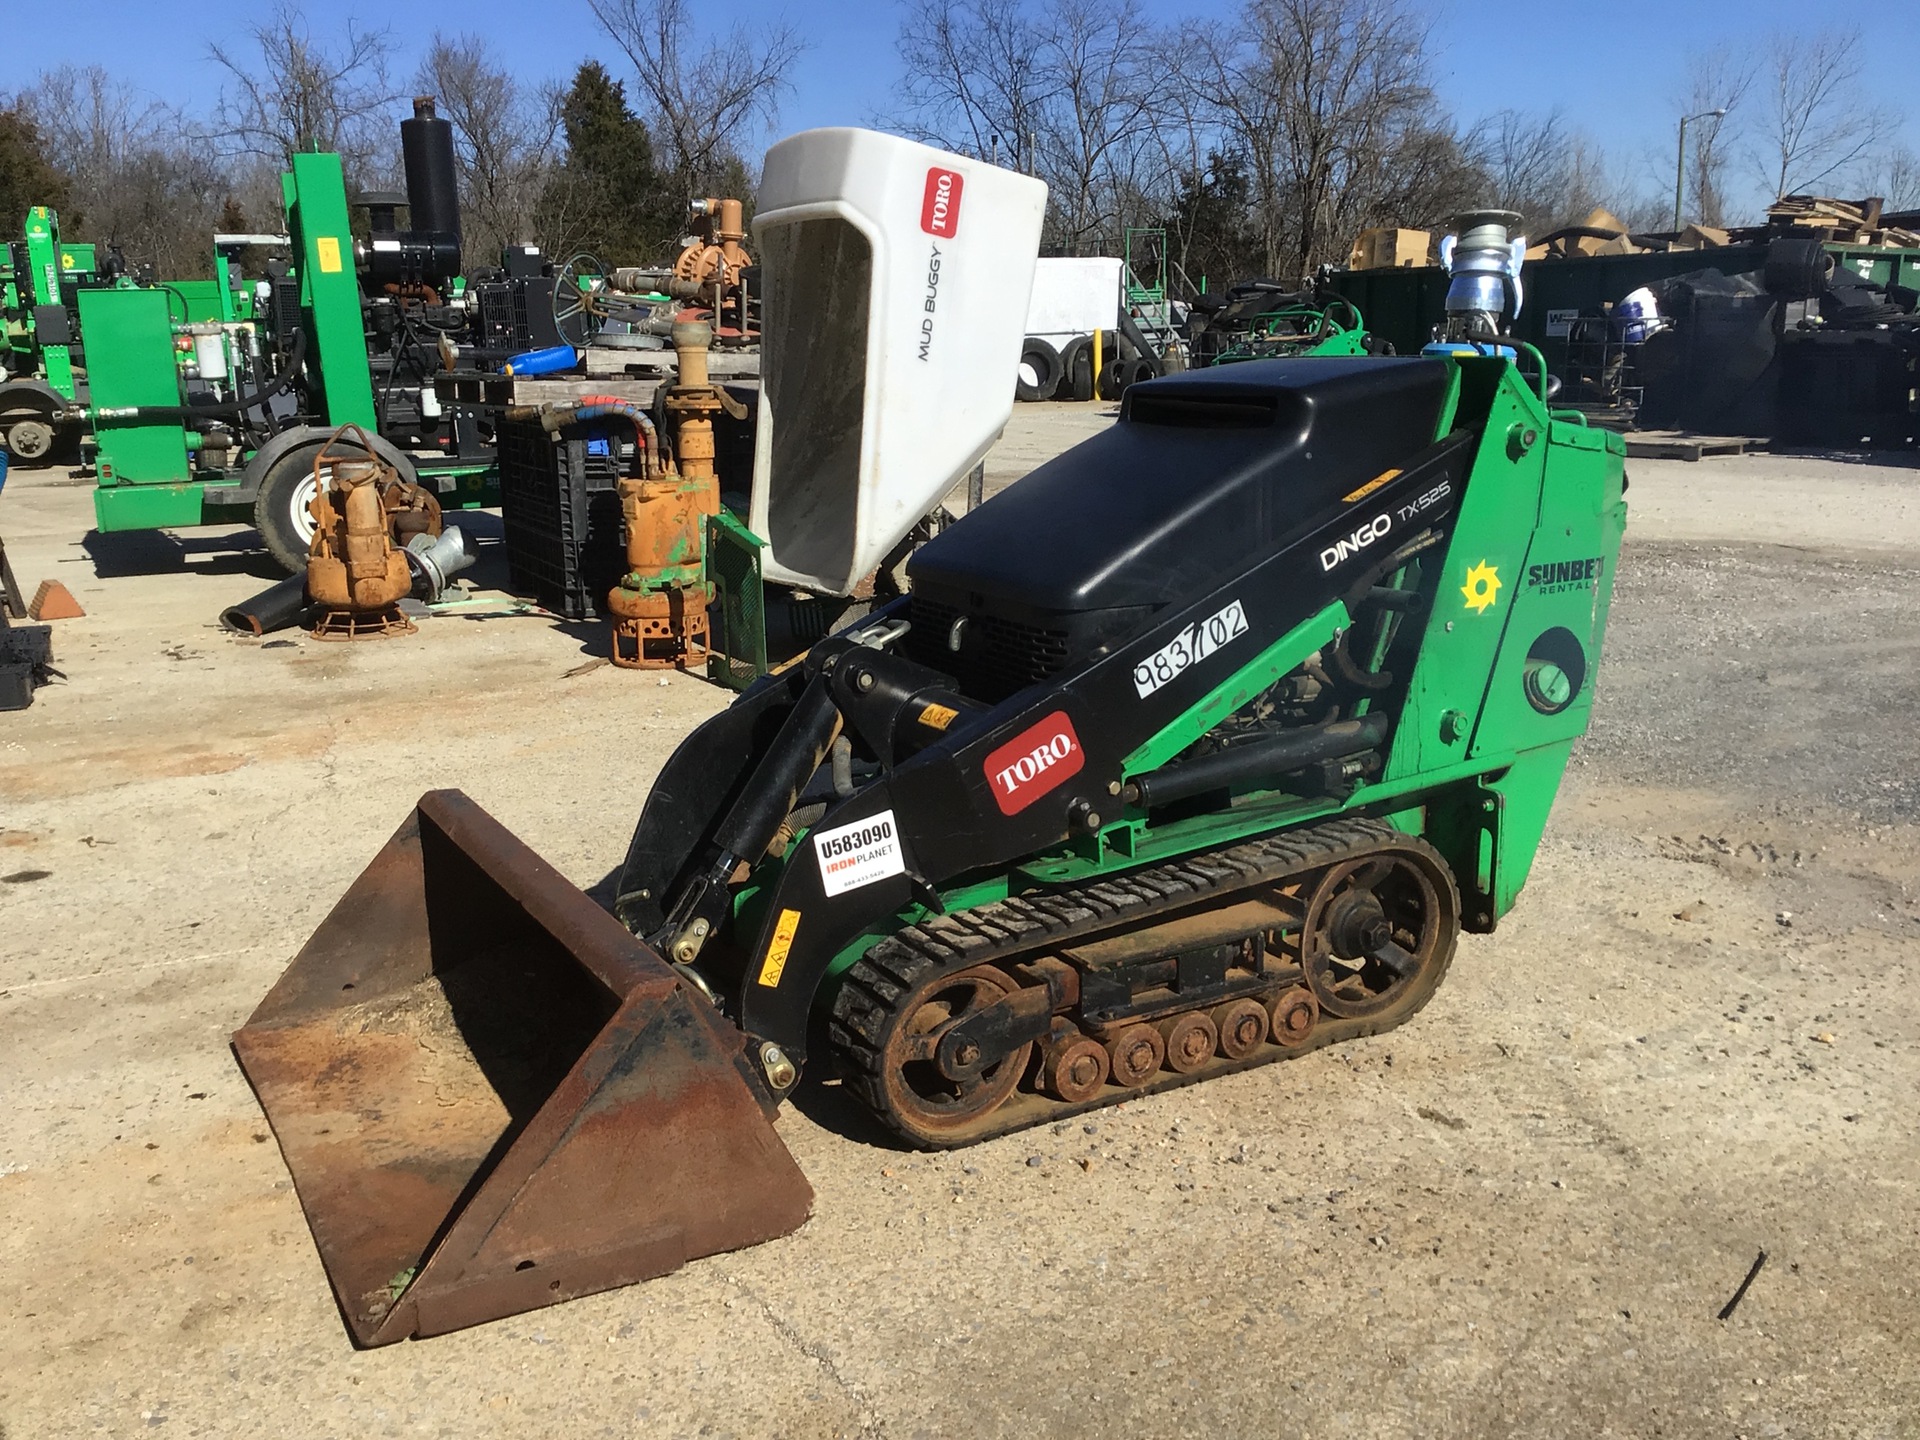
1192 751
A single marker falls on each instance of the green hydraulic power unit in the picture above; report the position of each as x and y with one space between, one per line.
210 407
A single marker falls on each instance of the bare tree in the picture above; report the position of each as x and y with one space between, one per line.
1818 128
707 92
295 92
1329 102
503 137
1528 161
1071 94
1716 80
1896 178
135 177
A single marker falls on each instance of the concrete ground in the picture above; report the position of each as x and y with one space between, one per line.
1695 1040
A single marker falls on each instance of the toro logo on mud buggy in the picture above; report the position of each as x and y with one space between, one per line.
1037 760
940 206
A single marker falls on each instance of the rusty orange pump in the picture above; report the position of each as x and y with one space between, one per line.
660 604
355 573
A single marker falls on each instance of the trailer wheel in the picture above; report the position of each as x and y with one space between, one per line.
29 441
1039 370
282 508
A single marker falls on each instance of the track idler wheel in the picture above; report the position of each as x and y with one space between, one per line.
1136 1053
922 1097
1074 1067
1379 932
1242 1027
1190 1040
1293 1014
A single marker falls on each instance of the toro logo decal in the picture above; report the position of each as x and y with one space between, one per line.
940 206
1037 760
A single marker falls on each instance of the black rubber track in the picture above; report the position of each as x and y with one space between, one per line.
1015 928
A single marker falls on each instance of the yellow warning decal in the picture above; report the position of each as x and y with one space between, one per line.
938 717
329 250
66 261
1371 486
776 961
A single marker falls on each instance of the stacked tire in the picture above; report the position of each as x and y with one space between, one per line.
1048 372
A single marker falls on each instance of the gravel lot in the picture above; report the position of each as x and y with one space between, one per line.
1693 1041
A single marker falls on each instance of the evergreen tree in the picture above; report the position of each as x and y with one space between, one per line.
607 197
26 177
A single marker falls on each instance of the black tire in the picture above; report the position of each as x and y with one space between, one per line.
1144 369
28 431
30 441
1073 354
280 510
1081 378
1115 375
1041 361
1796 269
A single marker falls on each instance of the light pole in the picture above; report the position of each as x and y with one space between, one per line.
1680 165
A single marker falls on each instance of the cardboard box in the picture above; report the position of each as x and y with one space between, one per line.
1387 248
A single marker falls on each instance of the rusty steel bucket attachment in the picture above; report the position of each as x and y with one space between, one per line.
493 1098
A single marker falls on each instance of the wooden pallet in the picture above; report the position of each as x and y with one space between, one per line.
1679 445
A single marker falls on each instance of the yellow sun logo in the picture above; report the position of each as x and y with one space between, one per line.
1482 587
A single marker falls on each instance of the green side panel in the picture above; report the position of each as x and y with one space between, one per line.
203 300
147 507
1482 564
77 260
738 646
1527 792
1559 599
329 290
130 355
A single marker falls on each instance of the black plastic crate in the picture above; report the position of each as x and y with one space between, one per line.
26 660
560 512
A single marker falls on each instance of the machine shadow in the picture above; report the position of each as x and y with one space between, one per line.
129 553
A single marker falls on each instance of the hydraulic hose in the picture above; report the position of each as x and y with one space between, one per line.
207 410
555 418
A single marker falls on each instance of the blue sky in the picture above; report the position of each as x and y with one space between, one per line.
1613 66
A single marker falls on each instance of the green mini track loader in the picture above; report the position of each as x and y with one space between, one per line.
1193 751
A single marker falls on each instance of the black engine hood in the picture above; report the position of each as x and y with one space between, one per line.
1203 472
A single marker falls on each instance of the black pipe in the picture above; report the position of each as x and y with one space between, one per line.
238 406
1278 756
433 194
274 608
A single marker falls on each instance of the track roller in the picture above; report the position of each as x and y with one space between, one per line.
1190 1039
1294 1013
1074 1067
1242 1025
1136 1052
